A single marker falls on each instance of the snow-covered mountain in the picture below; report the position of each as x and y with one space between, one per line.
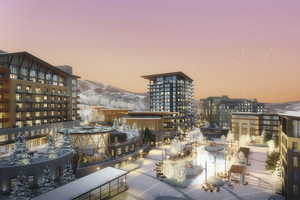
283 107
93 93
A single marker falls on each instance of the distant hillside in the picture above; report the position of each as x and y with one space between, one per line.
93 93
283 107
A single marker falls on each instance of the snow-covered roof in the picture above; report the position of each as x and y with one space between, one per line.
82 185
291 113
143 117
88 130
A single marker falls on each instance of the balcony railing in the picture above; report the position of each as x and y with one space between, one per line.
4 100
5 119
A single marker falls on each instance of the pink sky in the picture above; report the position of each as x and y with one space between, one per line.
239 48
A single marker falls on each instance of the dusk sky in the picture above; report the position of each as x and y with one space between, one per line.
240 48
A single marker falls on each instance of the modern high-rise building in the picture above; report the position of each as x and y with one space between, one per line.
35 99
289 147
217 110
172 92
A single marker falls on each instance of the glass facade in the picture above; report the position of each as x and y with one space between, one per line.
106 191
34 93
172 93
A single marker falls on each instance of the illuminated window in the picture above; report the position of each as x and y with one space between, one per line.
295 161
3 138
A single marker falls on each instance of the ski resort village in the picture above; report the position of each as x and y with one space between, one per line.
149 100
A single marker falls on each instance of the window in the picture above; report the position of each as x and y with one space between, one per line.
28 89
13 69
19 87
24 71
295 161
18 97
295 190
41 75
32 74
38 90
3 138
48 76
294 147
296 126
19 124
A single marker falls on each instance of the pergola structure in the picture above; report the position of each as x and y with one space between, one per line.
91 143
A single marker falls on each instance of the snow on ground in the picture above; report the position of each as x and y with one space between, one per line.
144 185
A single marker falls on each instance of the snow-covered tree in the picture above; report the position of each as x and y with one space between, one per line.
68 174
66 146
116 124
20 154
47 183
51 147
21 190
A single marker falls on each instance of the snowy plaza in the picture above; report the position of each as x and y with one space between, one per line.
258 183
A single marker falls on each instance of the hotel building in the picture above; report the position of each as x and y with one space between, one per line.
255 125
289 146
172 92
35 98
217 110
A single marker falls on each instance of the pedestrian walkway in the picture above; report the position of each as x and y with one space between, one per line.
143 183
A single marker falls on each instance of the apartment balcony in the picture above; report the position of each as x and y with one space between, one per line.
5 109
5 119
4 100
4 90
20 91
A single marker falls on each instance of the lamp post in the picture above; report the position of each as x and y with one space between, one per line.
206 171
215 157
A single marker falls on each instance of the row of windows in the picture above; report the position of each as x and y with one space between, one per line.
34 75
39 106
27 123
38 114
38 90
296 128
39 98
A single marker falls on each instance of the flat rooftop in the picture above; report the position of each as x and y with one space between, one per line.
83 185
153 76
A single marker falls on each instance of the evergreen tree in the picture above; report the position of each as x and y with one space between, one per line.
66 146
21 190
272 161
47 183
68 174
51 147
20 154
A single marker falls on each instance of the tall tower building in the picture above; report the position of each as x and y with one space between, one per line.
36 98
172 92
